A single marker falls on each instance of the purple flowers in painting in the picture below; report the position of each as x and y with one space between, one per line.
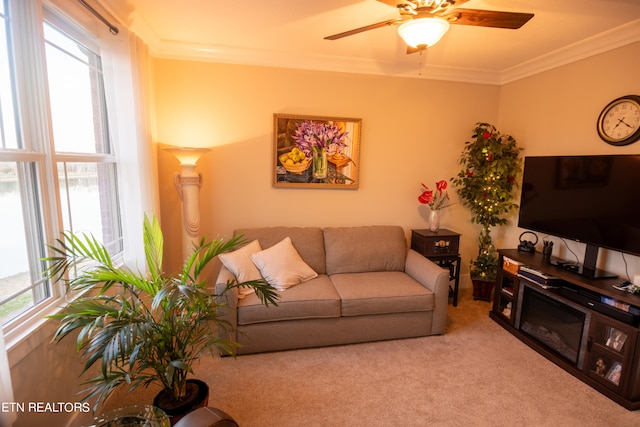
313 134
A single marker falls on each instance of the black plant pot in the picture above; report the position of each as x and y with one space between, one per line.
197 397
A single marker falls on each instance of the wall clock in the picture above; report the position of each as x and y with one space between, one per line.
619 121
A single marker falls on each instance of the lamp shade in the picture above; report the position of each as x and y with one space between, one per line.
187 155
423 32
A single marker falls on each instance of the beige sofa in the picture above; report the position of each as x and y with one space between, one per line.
369 287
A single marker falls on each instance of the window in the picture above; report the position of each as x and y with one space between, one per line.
8 131
86 167
22 239
62 179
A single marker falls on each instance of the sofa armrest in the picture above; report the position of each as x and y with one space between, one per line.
229 303
436 279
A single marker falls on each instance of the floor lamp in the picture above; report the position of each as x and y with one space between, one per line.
188 183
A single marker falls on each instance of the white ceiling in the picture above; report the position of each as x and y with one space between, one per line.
290 33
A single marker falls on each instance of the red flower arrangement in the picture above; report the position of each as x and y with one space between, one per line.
437 200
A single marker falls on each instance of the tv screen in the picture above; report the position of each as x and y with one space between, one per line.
590 199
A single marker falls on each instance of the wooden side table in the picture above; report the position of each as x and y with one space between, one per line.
441 247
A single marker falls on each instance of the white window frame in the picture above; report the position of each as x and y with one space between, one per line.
28 47
30 87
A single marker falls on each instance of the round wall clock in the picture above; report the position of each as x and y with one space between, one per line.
619 121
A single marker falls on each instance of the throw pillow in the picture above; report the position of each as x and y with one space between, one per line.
282 266
239 263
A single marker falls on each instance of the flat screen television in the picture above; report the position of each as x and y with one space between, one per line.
589 199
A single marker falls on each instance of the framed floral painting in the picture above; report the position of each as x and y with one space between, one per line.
316 152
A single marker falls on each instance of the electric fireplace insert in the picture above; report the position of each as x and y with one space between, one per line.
553 323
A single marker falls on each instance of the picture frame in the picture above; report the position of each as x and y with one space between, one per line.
615 339
316 151
614 373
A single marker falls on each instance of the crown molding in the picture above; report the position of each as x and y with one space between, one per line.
600 43
233 55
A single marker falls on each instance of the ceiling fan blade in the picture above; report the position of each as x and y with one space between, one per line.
366 28
392 3
489 18
457 3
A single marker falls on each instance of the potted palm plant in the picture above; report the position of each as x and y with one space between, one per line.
490 163
143 327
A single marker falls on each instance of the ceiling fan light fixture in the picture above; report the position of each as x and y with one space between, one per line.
423 31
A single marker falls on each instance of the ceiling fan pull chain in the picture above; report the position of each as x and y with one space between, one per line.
420 69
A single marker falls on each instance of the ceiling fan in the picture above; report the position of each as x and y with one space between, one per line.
424 22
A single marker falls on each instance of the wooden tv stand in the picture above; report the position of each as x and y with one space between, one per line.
607 354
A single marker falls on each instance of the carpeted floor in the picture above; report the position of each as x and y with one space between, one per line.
476 374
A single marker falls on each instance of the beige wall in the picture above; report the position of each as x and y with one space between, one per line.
413 131
49 373
555 112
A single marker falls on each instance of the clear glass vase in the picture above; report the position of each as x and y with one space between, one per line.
319 163
136 415
434 220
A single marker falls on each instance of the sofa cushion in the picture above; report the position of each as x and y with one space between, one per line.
381 293
308 241
362 249
314 299
239 263
282 266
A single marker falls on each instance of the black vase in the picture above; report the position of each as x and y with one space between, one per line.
197 397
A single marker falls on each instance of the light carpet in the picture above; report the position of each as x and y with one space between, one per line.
476 374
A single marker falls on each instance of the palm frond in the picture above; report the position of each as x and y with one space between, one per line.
141 328
153 246
206 252
266 293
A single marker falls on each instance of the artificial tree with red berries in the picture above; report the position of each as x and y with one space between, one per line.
490 162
